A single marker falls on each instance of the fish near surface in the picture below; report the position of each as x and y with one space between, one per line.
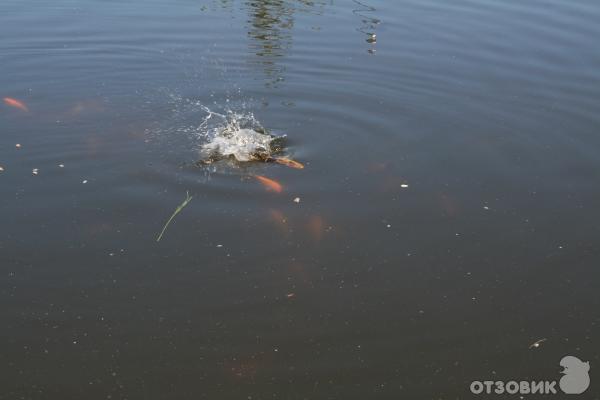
279 220
9 101
288 162
269 184
316 227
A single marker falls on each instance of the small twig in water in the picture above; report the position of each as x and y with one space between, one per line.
188 198
537 344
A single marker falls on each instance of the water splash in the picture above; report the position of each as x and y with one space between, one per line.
223 130
236 135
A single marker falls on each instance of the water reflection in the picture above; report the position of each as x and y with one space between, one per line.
270 27
369 23
216 4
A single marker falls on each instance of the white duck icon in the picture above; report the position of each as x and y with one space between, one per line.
576 379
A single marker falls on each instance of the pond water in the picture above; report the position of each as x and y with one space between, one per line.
446 218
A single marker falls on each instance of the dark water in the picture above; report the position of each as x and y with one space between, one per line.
487 110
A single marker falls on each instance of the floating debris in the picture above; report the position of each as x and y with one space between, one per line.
404 185
297 200
188 198
1 168
269 184
34 171
85 181
290 295
61 165
9 101
288 162
18 145
537 343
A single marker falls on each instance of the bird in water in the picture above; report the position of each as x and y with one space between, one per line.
244 145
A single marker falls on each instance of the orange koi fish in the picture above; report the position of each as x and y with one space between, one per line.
316 227
9 101
288 163
277 217
280 221
269 184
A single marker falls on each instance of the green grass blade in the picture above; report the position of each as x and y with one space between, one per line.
188 198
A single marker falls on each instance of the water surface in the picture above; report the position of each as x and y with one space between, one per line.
448 209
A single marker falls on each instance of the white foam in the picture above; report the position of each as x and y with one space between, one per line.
234 134
242 144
